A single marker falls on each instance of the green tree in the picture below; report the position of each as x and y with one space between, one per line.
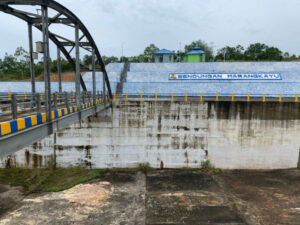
22 61
286 56
110 59
230 53
273 54
256 52
204 46
8 63
293 57
262 52
179 56
148 53
87 60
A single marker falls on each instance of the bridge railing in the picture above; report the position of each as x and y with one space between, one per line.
16 105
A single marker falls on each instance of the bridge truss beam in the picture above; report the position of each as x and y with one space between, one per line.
64 17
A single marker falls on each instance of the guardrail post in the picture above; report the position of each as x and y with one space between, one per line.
55 100
101 97
58 97
83 97
89 97
14 109
280 97
38 102
66 100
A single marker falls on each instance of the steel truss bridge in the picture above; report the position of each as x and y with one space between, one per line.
53 111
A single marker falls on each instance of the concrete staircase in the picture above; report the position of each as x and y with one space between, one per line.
123 78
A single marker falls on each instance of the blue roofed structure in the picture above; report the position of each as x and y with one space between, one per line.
195 55
196 51
164 56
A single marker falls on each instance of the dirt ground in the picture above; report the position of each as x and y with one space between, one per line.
65 76
163 197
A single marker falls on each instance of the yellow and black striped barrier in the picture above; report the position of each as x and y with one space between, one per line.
13 126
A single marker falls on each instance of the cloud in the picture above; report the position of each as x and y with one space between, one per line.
166 23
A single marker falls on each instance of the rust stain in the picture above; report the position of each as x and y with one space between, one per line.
186 159
161 165
8 162
37 160
27 157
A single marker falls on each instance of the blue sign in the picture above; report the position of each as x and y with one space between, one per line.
225 76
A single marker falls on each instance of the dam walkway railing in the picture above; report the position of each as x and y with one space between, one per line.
202 97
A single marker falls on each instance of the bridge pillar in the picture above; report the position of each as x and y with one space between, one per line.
77 75
59 70
104 92
46 61
32 74
94 76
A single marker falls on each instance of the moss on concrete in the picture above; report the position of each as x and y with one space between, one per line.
48 179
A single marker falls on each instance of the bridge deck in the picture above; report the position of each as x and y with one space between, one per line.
25 131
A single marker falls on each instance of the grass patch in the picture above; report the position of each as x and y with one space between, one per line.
145 167
207 166
46 180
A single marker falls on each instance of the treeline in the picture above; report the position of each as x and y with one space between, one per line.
17 66
254 52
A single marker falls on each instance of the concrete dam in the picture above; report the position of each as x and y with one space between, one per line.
179 129
232 135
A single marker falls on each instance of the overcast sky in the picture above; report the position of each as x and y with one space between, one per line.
167 23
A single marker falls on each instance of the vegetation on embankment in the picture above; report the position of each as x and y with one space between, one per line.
16 67
52 179
48 179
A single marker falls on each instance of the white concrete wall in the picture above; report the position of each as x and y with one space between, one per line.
177 134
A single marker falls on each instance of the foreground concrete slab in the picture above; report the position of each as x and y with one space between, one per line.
164 197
